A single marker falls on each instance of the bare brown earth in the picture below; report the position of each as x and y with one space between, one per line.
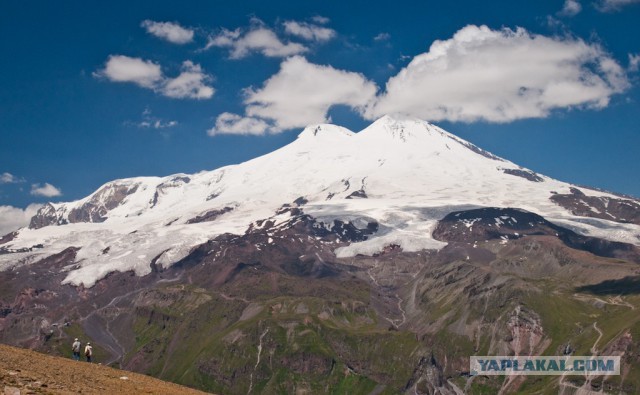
28 372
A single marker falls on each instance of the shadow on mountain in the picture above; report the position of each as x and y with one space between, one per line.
625 286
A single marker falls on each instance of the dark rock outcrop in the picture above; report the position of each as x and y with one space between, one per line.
612 209
526 174
301 201
359 194
493 223
107 198
210 215
8 237
46 215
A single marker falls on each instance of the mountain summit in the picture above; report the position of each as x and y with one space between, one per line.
404 174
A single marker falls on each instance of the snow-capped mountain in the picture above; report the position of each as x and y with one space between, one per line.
403 174
359 262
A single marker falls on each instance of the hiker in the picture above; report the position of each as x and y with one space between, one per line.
75 347
88 352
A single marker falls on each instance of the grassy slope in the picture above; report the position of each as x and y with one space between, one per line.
308 342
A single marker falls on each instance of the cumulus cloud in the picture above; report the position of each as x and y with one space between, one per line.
613 5
479 74
14 218
309 31
258 38
120 68
191 83
634 62
500 76
169 31
302 93
228 123
8 178
45 190
571 8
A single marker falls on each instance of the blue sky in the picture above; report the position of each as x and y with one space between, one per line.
95 92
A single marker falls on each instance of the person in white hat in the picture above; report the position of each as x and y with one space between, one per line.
88 352
75 348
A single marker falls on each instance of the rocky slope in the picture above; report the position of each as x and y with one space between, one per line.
375 262
28 372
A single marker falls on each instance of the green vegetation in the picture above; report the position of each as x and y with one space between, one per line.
333 346
59 343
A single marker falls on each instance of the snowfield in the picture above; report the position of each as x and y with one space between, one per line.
406 174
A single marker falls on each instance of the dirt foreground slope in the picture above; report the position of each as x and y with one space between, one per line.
28 372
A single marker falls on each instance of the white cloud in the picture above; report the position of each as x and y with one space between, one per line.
257 39
554 23
8 178
477 75
613 5
228 123
191 83
302 93
320 19
501 76
634 62
46 190
14 218
172 32
308 31
121 68
151 122
157 124
382 37
571 8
